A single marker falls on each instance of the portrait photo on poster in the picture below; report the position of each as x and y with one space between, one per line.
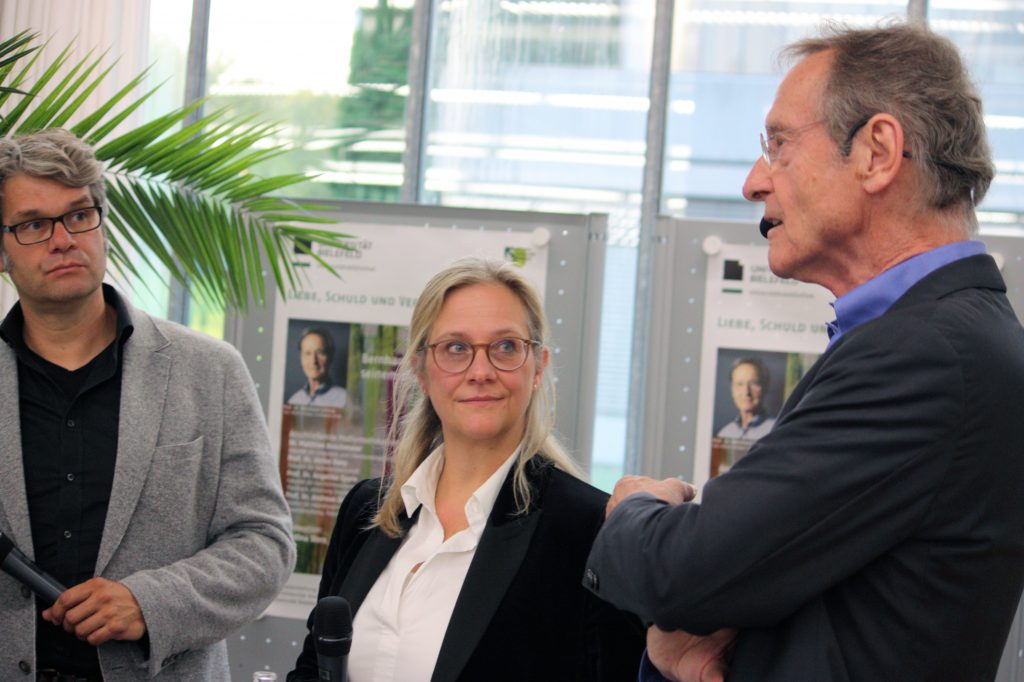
750 388
316 367
333 421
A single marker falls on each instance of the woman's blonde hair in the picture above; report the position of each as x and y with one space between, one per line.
415 428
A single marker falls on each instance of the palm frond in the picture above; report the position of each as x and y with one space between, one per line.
182 197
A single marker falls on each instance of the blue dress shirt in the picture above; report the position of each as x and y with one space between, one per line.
871 299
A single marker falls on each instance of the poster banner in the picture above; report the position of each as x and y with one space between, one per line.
761 335
337 344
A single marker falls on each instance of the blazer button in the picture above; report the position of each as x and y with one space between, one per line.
26 592
590 580
24 667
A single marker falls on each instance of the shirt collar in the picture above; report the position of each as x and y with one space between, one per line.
871 299
758 419
321 389
12 330
421 488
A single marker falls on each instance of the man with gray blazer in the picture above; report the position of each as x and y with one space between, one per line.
136 462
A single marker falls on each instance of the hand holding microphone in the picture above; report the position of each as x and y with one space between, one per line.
332 637
20 567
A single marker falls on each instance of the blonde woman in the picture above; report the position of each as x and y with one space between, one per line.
467 563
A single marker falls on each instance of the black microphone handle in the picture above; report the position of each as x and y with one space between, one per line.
332 632
21 568
332 668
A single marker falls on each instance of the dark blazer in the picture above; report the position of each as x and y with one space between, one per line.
877 533
522 613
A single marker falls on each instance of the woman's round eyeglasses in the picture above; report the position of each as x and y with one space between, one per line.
507 355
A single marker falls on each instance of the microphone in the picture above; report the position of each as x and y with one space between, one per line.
21 568
332 633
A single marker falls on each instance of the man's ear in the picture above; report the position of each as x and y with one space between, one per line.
879 151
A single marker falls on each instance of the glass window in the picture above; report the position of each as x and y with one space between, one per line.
991 36
170 25
538 105
169 28
723 79
542 105
335 75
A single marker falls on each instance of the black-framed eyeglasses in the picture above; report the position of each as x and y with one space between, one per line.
507 355
39 230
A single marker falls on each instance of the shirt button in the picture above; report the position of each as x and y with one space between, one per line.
26 592
71 477
67 534
71 423
24 667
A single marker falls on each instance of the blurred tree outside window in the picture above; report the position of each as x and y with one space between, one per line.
336 74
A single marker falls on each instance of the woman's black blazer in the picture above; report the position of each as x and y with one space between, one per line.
522 613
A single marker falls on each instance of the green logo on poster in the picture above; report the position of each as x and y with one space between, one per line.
517 255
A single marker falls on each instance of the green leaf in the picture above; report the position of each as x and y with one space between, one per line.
182 198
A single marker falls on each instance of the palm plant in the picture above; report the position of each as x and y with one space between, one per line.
180 193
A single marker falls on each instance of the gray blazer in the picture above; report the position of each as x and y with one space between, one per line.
197 527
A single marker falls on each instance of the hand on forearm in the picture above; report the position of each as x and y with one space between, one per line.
672 490
682 657
97 611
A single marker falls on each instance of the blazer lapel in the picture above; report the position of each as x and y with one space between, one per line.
145 372
13 500
501 550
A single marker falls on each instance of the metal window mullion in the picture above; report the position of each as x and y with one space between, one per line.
650 206
195 89
917 11
416 104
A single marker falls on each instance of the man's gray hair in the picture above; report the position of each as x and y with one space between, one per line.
918 77
54 154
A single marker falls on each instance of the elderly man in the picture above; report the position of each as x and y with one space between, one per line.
137 465
748 381
877 533
316 353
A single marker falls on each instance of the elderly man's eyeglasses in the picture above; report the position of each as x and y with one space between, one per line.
507 355
770 144
39 230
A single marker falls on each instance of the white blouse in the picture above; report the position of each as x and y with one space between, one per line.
398 630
